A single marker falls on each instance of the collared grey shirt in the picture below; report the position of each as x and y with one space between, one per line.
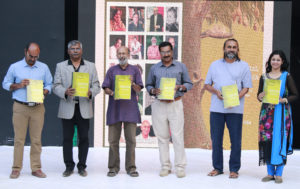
176 70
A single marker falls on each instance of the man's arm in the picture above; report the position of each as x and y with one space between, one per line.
150 83
9 81
187 84
47 81
95 89
57 86
212 90
243 92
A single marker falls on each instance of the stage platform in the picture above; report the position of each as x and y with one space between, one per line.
148 166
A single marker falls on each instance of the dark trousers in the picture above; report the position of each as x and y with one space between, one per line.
68 133
114 134
234 125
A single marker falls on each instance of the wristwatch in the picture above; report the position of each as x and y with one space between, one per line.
151 91
180 89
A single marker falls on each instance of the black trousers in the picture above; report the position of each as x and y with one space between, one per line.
68 133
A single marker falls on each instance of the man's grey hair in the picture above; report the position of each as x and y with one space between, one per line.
74 42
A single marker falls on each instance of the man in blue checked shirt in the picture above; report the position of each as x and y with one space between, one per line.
27 114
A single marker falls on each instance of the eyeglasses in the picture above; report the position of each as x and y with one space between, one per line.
75 49
165 52
32 57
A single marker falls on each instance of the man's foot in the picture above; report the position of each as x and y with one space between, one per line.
278 179
82 172
180 173
39 174
214 173
14 174
267 178
164 172
112 173
133 173
68 172
233 175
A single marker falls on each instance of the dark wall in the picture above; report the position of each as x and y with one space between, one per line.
282 26
295 68
52 24
21 22
286 37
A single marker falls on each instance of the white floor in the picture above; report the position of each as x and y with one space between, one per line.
199 164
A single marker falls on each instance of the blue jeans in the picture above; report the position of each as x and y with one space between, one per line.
275 170
234 124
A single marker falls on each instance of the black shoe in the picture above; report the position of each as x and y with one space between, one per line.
82 172
67 172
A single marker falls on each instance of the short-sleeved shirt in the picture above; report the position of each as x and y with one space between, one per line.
122 110
220 74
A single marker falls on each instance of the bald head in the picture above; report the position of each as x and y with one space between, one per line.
32 53
123 50
123 55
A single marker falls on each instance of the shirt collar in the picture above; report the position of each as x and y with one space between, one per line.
35 65
70 62
162 65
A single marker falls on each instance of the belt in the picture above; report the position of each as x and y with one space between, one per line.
170 101
27 103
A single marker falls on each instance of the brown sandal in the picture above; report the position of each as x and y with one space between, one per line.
214 173
233 175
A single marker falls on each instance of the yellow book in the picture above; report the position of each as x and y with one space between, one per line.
35 91
122 87
231 96
272 91
80 83
167 88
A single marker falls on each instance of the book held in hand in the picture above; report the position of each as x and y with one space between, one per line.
231 96
35 91
80 82
272 91
167 88
122 87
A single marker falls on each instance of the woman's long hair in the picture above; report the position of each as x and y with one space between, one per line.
284 65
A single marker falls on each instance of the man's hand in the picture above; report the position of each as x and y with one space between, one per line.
219 95
16 86
89 94
24 83
70 91
109 91
45 92
155 91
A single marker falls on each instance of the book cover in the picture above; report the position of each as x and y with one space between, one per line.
231 96
80 82
167 88
122 87
35 91
272 91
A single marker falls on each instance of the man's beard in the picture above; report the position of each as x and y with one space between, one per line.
123 61
230 55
